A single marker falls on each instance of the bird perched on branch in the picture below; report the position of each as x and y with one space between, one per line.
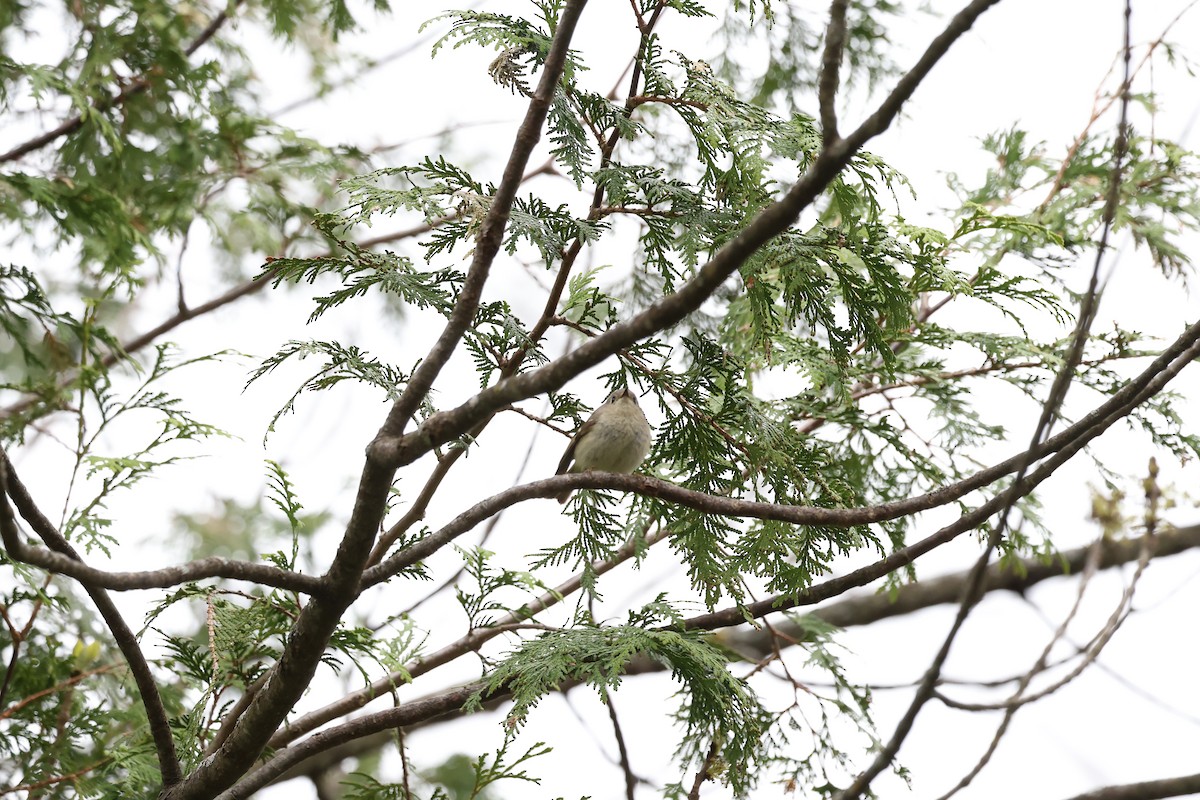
615 438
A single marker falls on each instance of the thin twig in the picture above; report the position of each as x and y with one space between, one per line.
631 780
1019 698
58 687
1099 109
57 779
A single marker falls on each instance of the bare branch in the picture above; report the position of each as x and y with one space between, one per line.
878 122
167 325
1019 699
69 777
211 567
631 780
61 686
1050 412
827 85
702 773
1021 576
1146 790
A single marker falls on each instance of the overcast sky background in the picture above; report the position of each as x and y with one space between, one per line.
1033 64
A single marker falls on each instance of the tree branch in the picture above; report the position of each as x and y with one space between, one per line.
1146 790
135 87
1023 575
878 122
156 713
401 716
622 750
440 428
827 85
212 567
970 521
491 232
1017 576
291 674
1071 439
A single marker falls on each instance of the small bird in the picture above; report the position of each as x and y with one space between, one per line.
615 438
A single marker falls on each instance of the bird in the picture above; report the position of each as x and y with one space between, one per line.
615 438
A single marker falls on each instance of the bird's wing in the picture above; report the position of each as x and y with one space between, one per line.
569 456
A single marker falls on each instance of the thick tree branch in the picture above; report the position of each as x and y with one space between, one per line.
1145 385
1023 575
1146 790
212 567
402 716
831 61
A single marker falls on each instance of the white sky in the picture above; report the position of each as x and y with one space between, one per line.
1035 64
